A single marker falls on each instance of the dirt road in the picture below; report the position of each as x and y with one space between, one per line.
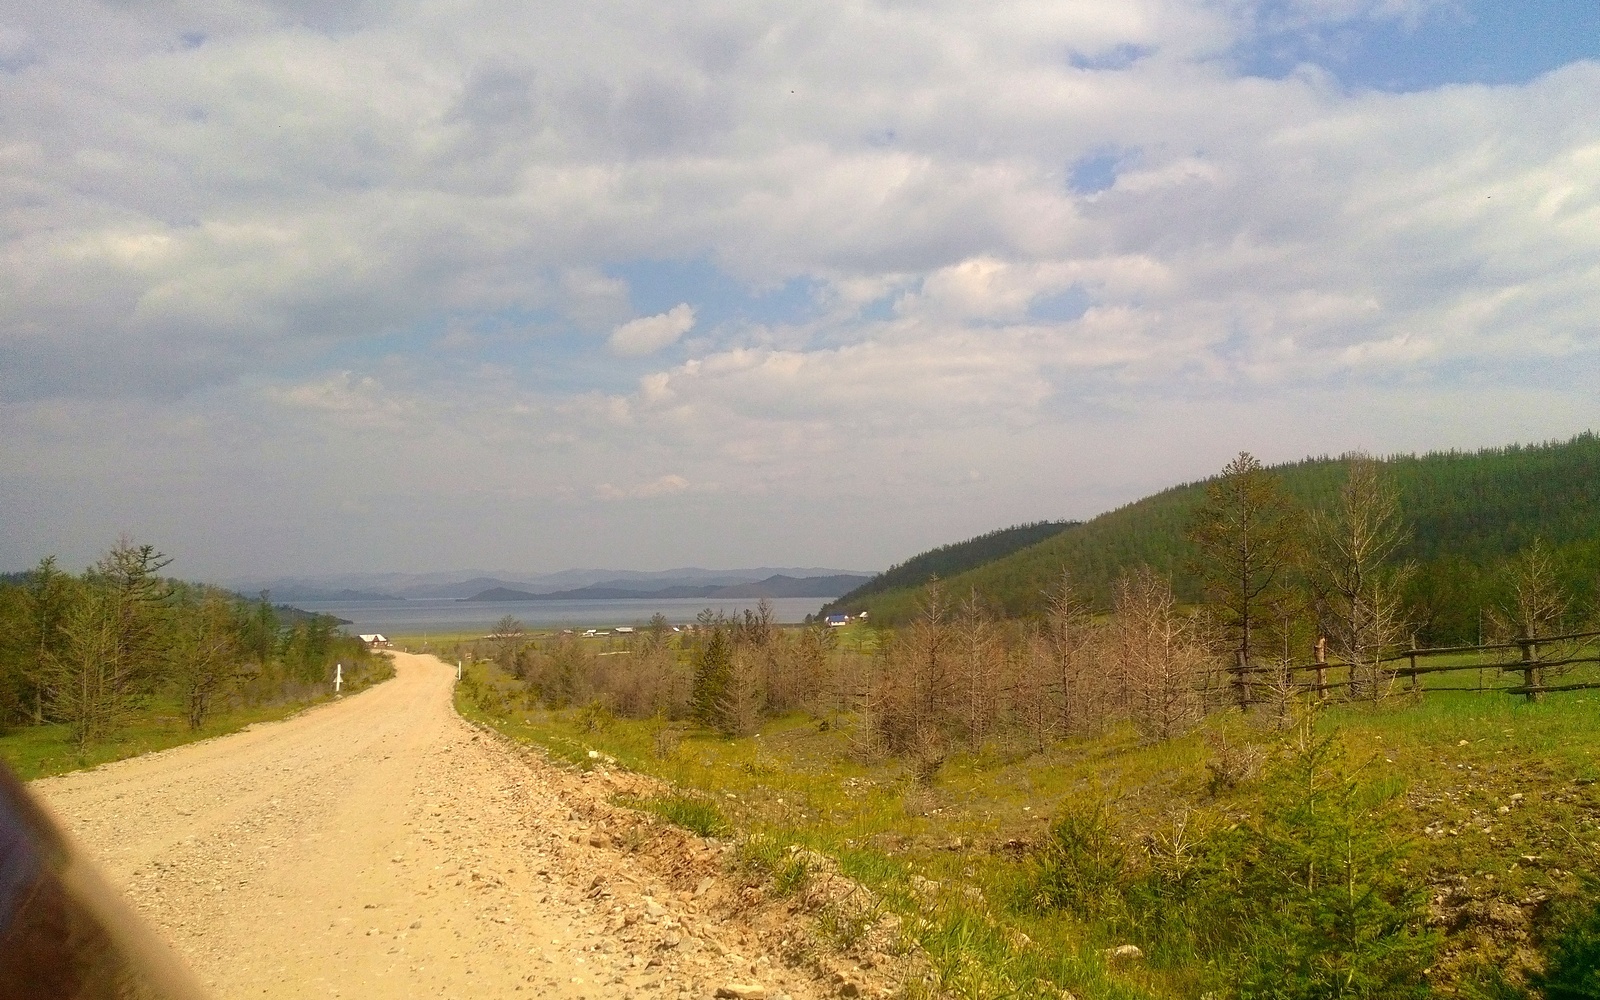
380 846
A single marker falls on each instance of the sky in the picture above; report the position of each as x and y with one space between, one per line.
291 287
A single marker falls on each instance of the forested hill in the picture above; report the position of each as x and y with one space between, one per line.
949 560
1467 513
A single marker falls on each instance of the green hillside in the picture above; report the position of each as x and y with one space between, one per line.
1468 513
950 560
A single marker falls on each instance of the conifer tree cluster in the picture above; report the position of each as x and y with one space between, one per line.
1467 517
91 650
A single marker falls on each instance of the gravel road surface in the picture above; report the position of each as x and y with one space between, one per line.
380 846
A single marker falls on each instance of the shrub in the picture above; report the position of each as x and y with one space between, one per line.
1572 965
595 717
1305 902
1080 867
1323 905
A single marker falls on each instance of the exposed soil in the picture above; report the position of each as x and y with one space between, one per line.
380 846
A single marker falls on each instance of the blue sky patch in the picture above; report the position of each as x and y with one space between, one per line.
654 286
1094 174
1120 57
540 346
880 310
1061 307
1479 42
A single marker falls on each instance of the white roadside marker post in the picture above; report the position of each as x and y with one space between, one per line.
458 670
338 677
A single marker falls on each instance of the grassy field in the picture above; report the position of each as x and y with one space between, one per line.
1488 802
40 751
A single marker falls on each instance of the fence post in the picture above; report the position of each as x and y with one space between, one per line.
1416 686
1529 671
1322 668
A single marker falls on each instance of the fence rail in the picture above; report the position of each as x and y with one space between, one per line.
1566 650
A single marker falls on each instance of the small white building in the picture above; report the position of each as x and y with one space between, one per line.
374 640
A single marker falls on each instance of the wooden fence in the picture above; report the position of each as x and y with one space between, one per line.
1537 660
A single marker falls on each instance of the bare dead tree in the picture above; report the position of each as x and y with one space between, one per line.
813 666
978 651
1031 691
796 665
1282 687
1356 591
508 640
742 701
1164 656
1537 604
1068 640
1120 652
916 684
1537 607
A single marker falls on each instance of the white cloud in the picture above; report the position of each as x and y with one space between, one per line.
663 486
357 402
649 334
445 196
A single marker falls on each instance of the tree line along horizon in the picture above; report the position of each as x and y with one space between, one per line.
1465 518
91 651
1264 579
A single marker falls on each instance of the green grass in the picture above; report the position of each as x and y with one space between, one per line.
1450 760
694 813
440 642
41 751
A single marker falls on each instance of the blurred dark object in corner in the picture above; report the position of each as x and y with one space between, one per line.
65 934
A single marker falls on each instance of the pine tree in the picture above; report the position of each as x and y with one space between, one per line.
88 687
713 673
1244 535
205 656
137 599
1325 907
49 595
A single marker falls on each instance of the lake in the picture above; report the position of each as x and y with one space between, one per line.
443 615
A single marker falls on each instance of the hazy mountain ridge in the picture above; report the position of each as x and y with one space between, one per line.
346 595
775 586
468 583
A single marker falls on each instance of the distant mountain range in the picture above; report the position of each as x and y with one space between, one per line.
353 587
777 585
